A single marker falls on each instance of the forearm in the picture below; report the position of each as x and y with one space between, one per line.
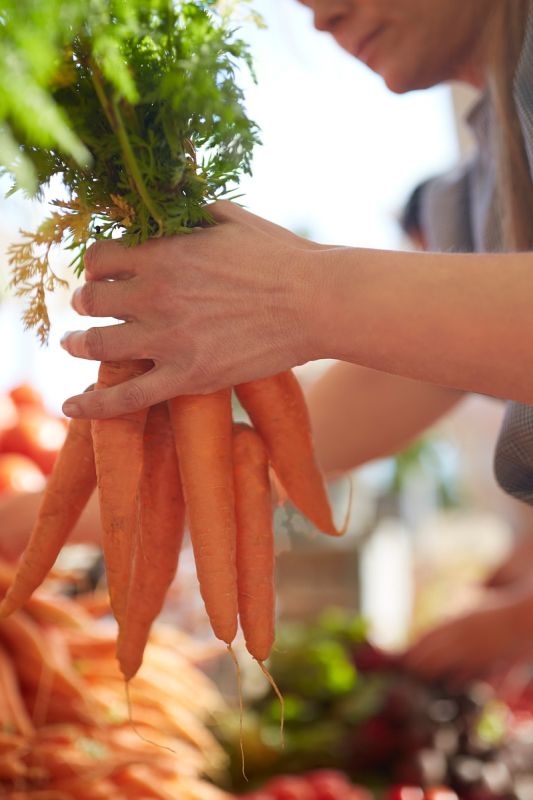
462 321
359 414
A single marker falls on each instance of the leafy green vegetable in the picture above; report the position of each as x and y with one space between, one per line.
139 114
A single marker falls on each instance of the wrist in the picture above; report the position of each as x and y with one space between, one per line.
328 303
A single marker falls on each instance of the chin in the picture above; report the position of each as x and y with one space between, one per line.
402 82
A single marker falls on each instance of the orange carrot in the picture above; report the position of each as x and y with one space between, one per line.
33 659
159 543
95 603
68 489
202 431
9 682
11 767
277 408
118 453
255 541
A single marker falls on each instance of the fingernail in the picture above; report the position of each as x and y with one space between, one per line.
71 409
75 295
65 337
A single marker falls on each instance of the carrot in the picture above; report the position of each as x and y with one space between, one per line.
277 408
118 453
159 544
86 787
9 682
47 794
10 742
57 610
68 489
33 659
8 725
11 767
95 603
255 541
202 431
89 645
138 781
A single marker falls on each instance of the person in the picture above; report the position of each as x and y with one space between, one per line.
411 217
491 634
414 331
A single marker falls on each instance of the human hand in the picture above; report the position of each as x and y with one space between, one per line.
516 567
215 308
471 645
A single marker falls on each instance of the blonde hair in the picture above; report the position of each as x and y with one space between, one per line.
514 176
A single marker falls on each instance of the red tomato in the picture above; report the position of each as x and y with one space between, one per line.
26 395
329 784
19 474
36 435
290 787
8 412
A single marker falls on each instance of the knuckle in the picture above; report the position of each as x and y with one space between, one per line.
87 298
93 257
94 344
96 404
134 397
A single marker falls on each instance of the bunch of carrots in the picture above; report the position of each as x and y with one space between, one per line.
65 729
146 88
177 462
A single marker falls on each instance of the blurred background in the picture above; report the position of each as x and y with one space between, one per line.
340 157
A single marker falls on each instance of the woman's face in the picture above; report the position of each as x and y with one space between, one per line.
412 44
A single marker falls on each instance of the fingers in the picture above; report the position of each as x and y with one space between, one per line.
110 259
104 299
146 390
424 657
438 653
107 343
226 211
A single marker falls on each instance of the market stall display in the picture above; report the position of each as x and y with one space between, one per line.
350 706
66 732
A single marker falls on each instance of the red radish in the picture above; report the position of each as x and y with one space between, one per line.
329 784
290 787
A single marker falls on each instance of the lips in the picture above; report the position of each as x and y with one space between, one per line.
361 48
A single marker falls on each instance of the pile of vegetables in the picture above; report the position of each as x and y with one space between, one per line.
315 785
350 706
145 125
65 727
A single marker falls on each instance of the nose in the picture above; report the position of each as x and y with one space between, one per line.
329 19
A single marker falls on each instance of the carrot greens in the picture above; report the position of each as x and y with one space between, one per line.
135 106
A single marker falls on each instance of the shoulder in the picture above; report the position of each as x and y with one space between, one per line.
523 82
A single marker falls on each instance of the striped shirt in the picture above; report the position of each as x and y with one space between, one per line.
460 214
